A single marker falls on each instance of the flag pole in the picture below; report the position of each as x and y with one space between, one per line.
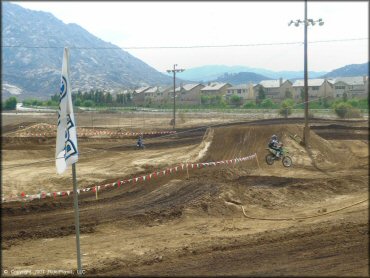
77 219
66 152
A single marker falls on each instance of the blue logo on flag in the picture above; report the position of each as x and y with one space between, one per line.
69 148
63 88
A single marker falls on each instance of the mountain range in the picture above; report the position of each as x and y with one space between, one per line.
350 70
212 72
229 73
32 50
35 70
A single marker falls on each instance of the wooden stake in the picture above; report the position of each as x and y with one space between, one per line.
96 192
258 162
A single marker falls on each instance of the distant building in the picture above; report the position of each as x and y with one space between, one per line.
189 93
354 87
245 91
138 95
278 89
213 89
317 88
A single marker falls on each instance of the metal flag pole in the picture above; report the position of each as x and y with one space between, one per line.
77 219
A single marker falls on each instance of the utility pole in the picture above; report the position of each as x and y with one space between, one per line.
174 70
306 22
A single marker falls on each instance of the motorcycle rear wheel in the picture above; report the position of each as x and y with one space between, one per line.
270 158
287 161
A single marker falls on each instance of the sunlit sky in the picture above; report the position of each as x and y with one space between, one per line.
153 24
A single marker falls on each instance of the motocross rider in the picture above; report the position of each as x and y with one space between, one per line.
140 143
275 145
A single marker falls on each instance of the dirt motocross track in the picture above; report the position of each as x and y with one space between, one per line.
245 219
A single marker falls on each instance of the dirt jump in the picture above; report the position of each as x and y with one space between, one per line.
201 201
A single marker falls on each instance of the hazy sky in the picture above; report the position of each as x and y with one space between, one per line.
145 24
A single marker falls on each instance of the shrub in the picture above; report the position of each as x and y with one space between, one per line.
88 103
249 105
354 102
286 107
345 110
267 103
10 103
236 100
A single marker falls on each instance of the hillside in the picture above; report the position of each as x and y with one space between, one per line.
35 70
212 72
350 70
241 78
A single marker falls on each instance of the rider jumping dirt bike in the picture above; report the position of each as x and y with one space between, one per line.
277 152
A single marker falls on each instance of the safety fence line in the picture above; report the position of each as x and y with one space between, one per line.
83 134
168 171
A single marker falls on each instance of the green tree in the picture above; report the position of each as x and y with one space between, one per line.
345 110
77 102
120 99
236 100
267 103
55 97
302 94
286 107
204 100
10 103
345 97
288 94
87 103
261 95
52 103
249 105
354 102
363 103
108 98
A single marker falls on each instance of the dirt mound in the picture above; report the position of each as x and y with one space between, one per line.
239 141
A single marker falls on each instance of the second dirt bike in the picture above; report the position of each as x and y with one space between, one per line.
285 159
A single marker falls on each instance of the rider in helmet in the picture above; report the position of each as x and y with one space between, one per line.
275 145
140 143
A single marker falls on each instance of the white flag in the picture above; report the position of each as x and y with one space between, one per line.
66 147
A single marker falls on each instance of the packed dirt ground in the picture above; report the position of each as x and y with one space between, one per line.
244 219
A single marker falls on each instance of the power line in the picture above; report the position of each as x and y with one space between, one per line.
181 47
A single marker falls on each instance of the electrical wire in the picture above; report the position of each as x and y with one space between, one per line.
180 47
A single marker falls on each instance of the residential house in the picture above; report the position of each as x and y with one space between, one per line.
277 90
189 93
163 95
150 95
213 89
354 87
138 95
317 88
245 91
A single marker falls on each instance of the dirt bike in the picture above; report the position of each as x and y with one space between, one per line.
285 159
140 147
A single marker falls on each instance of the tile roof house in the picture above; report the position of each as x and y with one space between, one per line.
276 89
189 93
356 86
317 87
163 95
215 89
243 90
138 96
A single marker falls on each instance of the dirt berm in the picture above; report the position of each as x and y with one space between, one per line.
193 224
